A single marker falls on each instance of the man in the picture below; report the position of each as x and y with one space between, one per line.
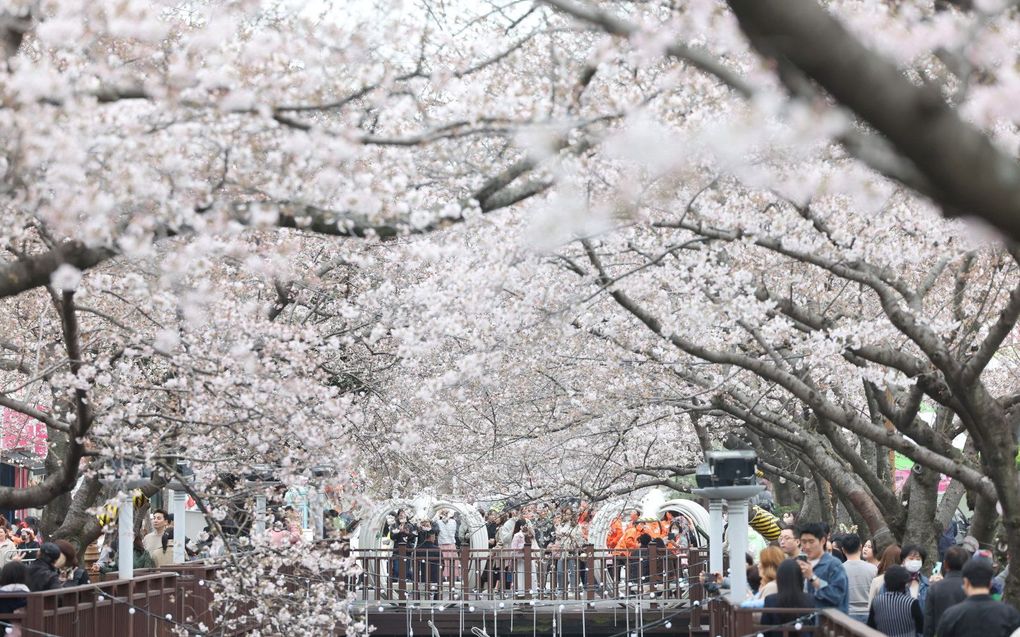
946 592
824 577
153 541
44 572
859 575
788 542
428 555
979 615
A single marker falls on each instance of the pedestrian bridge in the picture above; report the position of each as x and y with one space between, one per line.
593 593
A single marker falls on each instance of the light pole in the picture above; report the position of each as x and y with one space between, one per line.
729 476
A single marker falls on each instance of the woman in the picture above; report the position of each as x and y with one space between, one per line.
912 559
403 535
517 542
29 546
895 612
8 549
789 594
890 557
868 553
71 573
768 563
569 540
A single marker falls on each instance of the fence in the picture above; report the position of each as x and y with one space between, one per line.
128 608
727 619
653 573
653 577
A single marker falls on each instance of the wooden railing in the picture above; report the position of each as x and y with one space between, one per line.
157 601
730 620
132 608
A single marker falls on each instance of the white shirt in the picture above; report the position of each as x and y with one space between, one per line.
447 530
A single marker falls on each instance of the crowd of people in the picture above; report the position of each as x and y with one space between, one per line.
538 545
811 568
557 534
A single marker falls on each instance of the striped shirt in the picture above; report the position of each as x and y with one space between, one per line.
895 614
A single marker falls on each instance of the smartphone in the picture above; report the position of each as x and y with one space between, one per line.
802 557
937 569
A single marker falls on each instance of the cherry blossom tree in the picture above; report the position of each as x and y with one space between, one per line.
583 242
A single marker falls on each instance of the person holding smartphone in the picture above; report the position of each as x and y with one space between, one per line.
824 576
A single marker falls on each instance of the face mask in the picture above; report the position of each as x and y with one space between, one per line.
912 566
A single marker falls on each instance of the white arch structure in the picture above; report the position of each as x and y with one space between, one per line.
372 524
650 506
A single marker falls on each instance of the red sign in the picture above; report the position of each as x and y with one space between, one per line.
19 431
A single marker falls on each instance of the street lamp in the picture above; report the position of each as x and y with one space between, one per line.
729 476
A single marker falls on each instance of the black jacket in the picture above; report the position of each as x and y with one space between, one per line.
979 616
42 576
941 596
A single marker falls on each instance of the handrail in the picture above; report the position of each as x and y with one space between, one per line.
731 620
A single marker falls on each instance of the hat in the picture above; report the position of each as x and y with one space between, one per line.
50 551
970 543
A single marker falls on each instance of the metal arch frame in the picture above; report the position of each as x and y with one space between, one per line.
370 529
612 509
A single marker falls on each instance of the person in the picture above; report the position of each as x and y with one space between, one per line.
836 548
106 551
824 575
788 542
768 564
912 558
140 558
946 592
868 553
13 579
8 549
569 540
894 611
789 594
517 542
979 615
153 540
890 556
71 573
44 572
753 581
29 545
446 527
427 554
859 575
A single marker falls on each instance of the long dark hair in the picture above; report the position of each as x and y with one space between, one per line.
790 586
518 525
13 572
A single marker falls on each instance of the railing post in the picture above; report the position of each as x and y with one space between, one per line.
695 589
589 576
401 570
654 572
528 562
466 561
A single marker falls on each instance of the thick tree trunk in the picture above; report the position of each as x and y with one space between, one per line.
921 505
984 521
811 507
80 527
